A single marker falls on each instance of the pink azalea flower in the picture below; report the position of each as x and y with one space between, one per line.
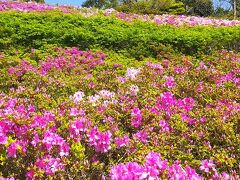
170 82
49 165
3 138
101 141
141 135
207 165
136 117
122 141
132 73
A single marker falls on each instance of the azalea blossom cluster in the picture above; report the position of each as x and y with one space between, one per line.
10 124
192 21
157 168
165 19
74 114
29 6
73 58
48 164
101 141
176 20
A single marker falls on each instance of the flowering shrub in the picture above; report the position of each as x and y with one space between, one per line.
29 6
74 114
69 113
176 20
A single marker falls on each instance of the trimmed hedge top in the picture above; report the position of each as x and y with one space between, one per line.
35 30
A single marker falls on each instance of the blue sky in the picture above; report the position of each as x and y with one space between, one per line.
79 2
65 2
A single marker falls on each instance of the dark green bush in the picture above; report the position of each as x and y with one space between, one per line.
152 7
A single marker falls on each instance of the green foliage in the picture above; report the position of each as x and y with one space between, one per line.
100 3
199 7
153 7
138 39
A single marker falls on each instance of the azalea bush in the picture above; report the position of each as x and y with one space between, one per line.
80 114
144 7
128 102
30 6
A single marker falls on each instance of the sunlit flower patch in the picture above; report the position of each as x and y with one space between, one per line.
75 114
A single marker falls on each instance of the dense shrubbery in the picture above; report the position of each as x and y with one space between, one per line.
138 38
67 113
153 7
73 114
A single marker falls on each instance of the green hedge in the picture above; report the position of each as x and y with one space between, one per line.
35 30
